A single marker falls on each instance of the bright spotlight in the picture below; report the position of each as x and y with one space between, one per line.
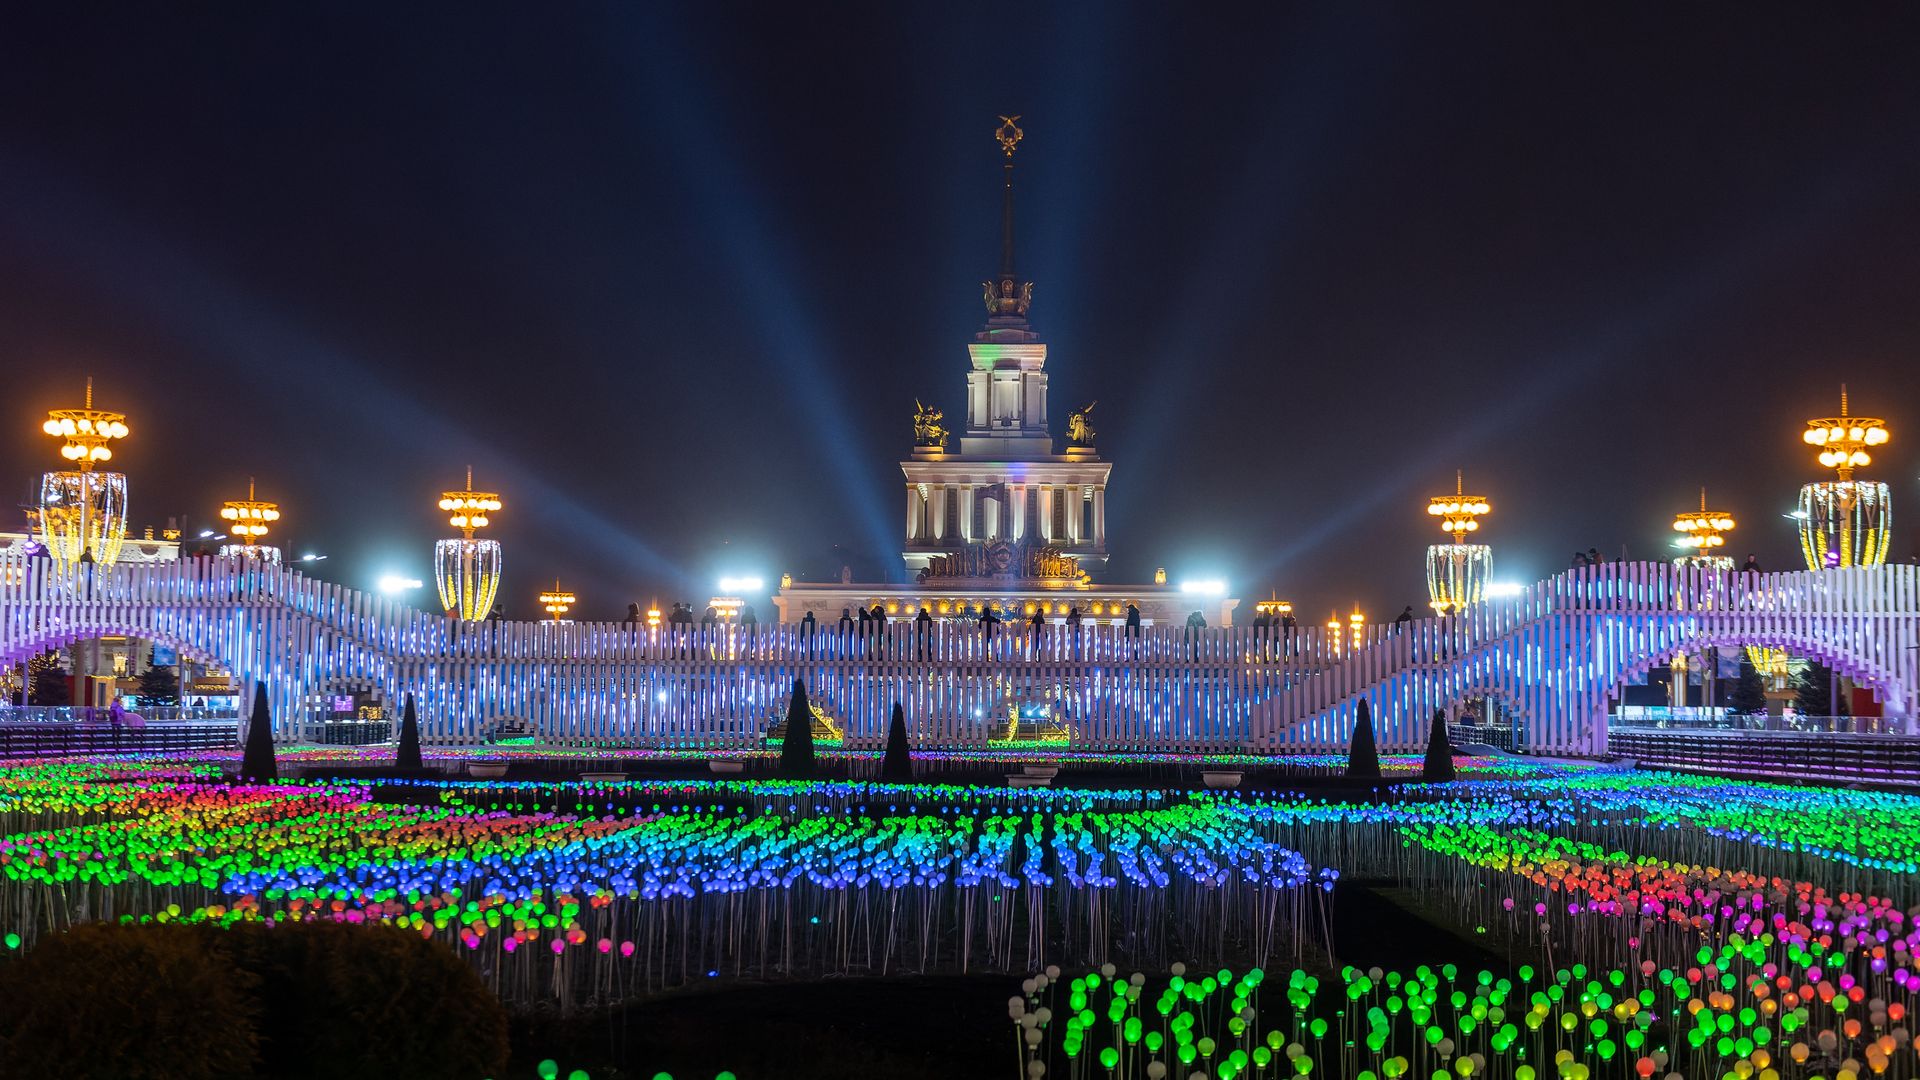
393 583
1208 587
1498 589
737 586
311 557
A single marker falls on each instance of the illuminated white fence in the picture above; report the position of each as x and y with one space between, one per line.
1551 656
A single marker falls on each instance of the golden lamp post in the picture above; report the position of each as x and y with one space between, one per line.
1457 573
83 512
1274 608
248 520
1843 521
467 570
556 602
1346 635
1702 532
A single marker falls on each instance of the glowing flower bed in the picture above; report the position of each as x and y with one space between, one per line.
733 878
579 891
1745 1010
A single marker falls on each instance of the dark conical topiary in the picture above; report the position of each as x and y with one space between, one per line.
1439 767
409 755
257 764
897 766
1363 758
796 748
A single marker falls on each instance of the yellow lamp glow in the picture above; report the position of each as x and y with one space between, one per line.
556 602
83 513
467 570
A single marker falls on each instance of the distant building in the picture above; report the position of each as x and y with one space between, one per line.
1006 521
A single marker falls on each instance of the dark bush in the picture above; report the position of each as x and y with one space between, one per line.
355 1000
127 1002
299 1000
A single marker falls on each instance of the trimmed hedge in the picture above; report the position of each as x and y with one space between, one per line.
299 1000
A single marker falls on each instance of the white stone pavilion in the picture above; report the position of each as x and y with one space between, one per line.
1010 519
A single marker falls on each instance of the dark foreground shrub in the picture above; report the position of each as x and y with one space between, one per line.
127 1002
299 1000
355 1000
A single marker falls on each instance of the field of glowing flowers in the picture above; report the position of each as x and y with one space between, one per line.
1650 924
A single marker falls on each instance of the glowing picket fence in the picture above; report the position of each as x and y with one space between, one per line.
1551 656
1554 655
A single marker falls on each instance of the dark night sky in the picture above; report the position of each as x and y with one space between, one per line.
671 281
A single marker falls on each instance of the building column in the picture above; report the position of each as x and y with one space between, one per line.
1046 513
1100 516
1016 512
939 515
966 513
913 513
1075 513
990 519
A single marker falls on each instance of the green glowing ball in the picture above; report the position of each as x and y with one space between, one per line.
547 1069
1109 1057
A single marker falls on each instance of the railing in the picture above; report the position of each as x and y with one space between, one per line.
1777 755
90 714
48 738
1705 719
1498 736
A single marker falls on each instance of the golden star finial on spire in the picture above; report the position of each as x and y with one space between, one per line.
1008 133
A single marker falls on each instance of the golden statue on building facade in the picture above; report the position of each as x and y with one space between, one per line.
927 429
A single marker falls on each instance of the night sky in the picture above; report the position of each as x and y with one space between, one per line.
671 280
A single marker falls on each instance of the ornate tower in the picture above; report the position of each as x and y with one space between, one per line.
1005 485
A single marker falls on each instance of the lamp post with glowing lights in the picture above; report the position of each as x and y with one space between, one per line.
1702 533
1354 627
1274 608
248 519
1843 521
556 603
1457 573
83 513
466 570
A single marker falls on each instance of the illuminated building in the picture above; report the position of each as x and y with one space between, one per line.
83 512
1843 521
1702 533
249 520
1008 518
1457 573
467 570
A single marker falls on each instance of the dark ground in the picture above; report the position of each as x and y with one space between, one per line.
916 1028
942 1028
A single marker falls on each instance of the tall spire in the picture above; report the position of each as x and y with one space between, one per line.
1008 136
1008 297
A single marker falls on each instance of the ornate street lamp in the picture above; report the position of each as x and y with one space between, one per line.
248 519
556 602
466 570
83 513
1457 573
1845 522
1701 532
